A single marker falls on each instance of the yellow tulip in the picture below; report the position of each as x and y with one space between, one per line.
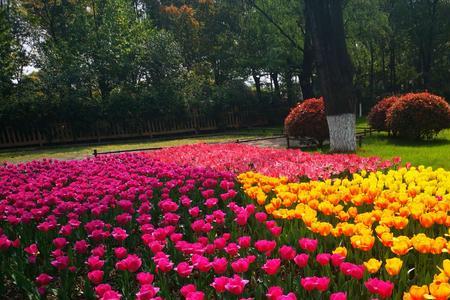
372 265
393 266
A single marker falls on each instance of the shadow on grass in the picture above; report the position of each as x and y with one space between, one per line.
395 141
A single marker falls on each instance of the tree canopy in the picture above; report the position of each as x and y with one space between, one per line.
80 61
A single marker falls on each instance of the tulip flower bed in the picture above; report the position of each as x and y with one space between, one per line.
294 164
129 227
134 227
400 216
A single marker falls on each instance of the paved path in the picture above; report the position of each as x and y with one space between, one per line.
272 143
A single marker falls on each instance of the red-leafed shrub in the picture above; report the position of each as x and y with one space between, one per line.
377 115
308 119
418 116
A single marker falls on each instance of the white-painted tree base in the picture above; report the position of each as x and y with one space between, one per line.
342 133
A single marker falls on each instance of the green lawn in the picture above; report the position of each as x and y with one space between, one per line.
435 153
81 151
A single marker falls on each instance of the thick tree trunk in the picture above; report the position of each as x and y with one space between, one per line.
342 132
335 71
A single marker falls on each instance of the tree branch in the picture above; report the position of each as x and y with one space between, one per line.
280 29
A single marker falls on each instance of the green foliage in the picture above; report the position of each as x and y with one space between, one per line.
132 60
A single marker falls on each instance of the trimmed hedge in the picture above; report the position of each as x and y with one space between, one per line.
377 115
307 119
418 116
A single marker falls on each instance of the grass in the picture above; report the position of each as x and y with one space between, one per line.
435 153
81 151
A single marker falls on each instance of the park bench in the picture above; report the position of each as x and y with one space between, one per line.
306 142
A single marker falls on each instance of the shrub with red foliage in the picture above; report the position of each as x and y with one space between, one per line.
308 119
377 115
418 115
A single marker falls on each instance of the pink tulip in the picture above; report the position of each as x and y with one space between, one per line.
186 289
147 292
261 217
337 259
274 292
43 279
81 247
120 252
145 278
131 263
355 271
232 249
111 295
119 234
244 242
95 276
101 289
201 263
95 263
60 262
287 252
265 246
195 296
338 296
236 285
271 266
60 243
301 260
318 283
309 245
184 269
323 258
219 265
219 284
240 266
377 286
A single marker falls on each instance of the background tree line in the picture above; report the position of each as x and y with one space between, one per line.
138 59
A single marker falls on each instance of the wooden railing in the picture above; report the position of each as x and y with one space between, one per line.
65 133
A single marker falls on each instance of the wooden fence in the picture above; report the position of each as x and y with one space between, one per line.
64 133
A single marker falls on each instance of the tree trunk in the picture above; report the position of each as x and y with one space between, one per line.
335 71
257 80
291 97
372 72
429 46
276 85
392 67
383 69
308 62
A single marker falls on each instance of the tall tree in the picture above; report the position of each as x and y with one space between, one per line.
335 71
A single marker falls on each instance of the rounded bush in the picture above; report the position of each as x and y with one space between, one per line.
307 119
377 115
418 116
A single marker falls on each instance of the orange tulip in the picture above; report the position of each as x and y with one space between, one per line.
426 220
440 291
400 246
418 292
